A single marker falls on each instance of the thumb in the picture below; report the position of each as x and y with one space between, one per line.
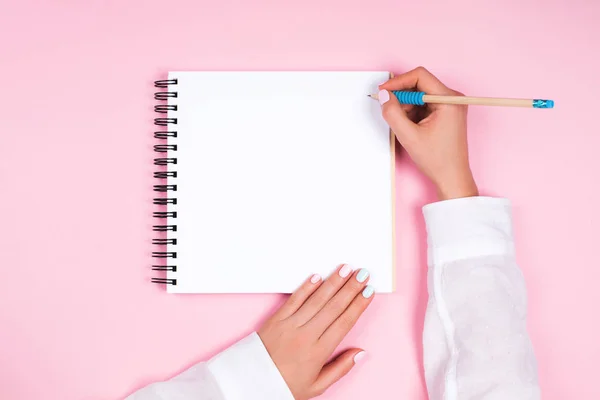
404 129
336 369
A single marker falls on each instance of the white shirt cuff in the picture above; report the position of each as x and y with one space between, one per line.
245 371
468 227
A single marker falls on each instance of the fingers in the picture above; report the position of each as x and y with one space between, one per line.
323 294
336 369
333 336
419 78
405 130
297 299
339 302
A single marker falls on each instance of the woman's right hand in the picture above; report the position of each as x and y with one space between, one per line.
435 135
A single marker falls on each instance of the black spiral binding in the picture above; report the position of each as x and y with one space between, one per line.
169 199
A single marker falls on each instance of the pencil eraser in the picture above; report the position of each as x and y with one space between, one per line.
539 103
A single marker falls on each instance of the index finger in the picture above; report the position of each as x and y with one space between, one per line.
336 332
419 78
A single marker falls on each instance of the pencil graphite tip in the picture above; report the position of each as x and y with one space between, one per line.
373 96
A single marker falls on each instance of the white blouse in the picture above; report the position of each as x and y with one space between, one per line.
475 339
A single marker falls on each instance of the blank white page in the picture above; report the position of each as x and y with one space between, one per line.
280 175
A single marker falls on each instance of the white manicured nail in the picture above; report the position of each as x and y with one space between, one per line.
368 292
345 271
362 275
384 96
359 356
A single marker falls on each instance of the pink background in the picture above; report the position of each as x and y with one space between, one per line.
78 317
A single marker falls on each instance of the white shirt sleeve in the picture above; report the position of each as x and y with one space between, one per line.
244 371
475 340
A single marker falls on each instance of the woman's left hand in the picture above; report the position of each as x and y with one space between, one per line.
303 334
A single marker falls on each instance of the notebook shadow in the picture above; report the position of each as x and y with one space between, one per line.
421 267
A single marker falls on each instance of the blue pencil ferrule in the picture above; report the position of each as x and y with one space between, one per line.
415 98
539 103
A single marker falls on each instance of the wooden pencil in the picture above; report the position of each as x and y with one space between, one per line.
420 98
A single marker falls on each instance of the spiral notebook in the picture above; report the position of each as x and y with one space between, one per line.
264 178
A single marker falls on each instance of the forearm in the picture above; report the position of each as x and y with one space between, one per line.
245 371
476 344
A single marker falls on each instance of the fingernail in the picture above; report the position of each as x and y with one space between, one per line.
382 83
368 292
345 270
359 356
362 275
384 96
315 278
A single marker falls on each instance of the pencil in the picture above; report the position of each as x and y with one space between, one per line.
420 98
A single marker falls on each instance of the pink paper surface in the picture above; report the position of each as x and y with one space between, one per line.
78 316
